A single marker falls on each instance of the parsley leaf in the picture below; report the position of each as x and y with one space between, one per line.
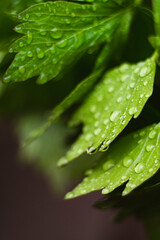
120 96
133 159
57 33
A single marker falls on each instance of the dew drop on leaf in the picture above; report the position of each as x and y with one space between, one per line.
139 168
29 37
152 134
55 34
108 165
114 115
143 72
21 69
149 147
40 53
30 54
127 161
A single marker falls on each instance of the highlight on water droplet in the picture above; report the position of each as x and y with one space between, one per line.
30 54
40 53
29 37
139 168
56 34
127 161
92 150
22 69
114 115
108 165
7 79
69 195
149 147
152 134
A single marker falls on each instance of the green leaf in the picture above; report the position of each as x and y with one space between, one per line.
14 6
155 40
57 33
156 8
133 159
120 96
115 47
101 63
75 96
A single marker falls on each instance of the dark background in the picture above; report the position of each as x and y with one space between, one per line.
30 211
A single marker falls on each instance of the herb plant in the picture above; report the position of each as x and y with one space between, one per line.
106 54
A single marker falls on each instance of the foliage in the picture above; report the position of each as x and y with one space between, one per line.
102 56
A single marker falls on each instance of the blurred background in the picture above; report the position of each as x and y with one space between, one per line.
30 209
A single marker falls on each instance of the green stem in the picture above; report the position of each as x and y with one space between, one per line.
155 56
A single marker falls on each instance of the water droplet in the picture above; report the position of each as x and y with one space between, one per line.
128 96
21 44
149 147
139 168
110 89
94 8
108 165
152 134
105 148
132 85
97 131
92 150
145 83
69 195
62 44
52 49
73 15
119 99
124 67
29 37
22 69
106 121
151 170
142 133
27 16
88 136
127 161
68 21
124 178
89 172
93 108
43 32
79 41
42 78
55 61
156 162
7 79
40 53
124 77
83 191
11 50
105 191
114 115
55 34
30 54
143 72
132 110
